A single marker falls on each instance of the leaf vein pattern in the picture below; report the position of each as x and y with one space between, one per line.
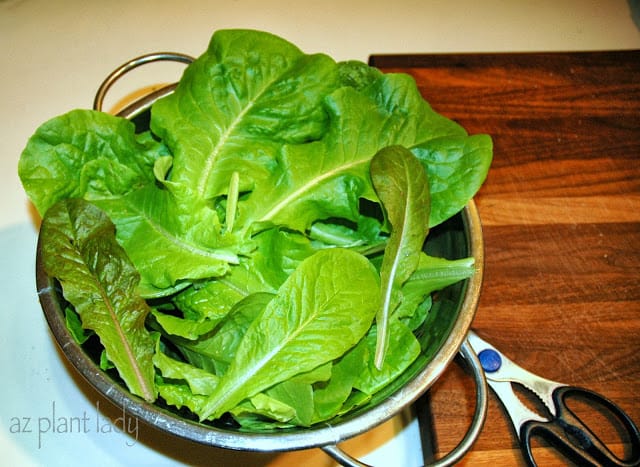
180 243
312 183
210 161
121 335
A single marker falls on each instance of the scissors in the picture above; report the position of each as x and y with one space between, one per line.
563 429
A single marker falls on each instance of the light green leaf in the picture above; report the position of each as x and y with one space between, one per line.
299 396
456 166
200 382
179 395
403 349
98 157
322 179
262 412
323 309
155 227
215 352
434 273
86 154
329 398
187 328
237 104
276 255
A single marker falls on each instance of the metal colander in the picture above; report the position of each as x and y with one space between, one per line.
447 329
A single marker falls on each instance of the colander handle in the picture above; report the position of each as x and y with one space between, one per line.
482 398
132 64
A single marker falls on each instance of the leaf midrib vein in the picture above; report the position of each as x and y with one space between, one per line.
130 354
275 350
191 248
309 185
210 161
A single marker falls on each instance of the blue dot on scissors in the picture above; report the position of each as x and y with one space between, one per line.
490 360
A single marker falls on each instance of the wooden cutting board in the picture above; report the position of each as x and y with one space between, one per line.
561 220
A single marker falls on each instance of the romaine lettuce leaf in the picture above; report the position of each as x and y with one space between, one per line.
236 106
322 310
98 157
215 352
86 154
155 226
403 189
80 250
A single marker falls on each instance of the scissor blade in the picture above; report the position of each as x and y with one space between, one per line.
517 411
508 371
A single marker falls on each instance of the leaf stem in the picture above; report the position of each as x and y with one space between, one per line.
232 200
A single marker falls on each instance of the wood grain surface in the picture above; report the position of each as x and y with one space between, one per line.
561 221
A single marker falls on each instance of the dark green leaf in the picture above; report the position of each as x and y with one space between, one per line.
402 186
74 325
79 249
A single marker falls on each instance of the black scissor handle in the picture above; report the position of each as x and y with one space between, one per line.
567 433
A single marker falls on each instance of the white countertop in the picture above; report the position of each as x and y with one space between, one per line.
56 53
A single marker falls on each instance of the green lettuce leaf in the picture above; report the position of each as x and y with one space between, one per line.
181 384
237 104
86 154
188 328
434 274
156 227
403 349
262 412
322 179
329 398
403 189
456 163
98 157
216 351
456 166
200 382
322 310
